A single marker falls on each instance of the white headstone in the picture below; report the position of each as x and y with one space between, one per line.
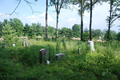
13 45
91 44
63 35
48 62
79 51
25 43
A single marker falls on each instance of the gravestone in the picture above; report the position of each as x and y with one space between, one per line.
13 45
48 62
44 56
60 56
91 44
79 51
30 43
4 46
25 43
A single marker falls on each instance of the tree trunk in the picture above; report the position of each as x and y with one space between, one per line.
57 25
46 19
90 20
82 20
109 22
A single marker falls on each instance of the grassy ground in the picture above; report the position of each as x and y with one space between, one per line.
22 63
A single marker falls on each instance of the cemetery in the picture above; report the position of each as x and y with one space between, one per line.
40 59
83 45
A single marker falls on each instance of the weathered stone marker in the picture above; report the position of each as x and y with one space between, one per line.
30 43
13 45
60 56
4 46
91 44
25 43
44 56
79 51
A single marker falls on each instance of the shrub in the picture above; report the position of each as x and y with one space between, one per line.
9 35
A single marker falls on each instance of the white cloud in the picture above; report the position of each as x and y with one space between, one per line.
5 15
40 17
71 19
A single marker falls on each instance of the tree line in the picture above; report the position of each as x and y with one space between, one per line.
87 5
84 5
36 29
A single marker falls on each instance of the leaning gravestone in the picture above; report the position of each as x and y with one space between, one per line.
44 56
60 56
91 44
79 51
25 43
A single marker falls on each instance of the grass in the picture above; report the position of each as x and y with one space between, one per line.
22 63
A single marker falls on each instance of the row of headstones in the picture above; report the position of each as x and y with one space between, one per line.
25 44
44 56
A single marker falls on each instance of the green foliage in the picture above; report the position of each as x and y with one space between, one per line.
118 36
64 43
76 30
112 35
58 46
86 35
9 34
17 25
1 27
23 62
51 31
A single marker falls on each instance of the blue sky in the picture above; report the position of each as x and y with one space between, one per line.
67 17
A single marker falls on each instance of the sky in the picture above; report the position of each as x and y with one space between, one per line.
67 17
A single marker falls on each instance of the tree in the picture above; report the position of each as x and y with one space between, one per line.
118 36
51 30
63 31
38 30
112 35
83 4
76 30
17 25
86 35
1 27
46 19
58 5
114 14
9 34
26 29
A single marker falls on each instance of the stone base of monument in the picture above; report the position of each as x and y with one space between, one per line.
60 56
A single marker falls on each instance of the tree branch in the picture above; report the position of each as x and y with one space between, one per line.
61 4
95 2
115 19
115 9
29 3
15 8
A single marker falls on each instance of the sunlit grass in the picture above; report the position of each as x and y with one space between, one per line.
76 66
